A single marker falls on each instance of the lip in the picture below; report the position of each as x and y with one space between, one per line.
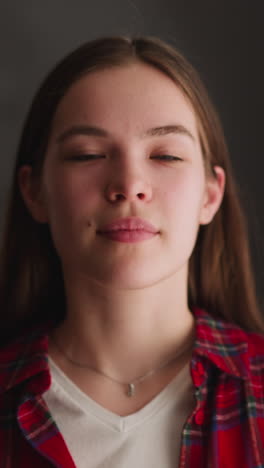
128 236
131 223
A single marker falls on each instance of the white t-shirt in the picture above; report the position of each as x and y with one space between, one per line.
98 438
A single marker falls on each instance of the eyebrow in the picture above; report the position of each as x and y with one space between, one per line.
100 132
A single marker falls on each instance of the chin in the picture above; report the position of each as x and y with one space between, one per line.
136 279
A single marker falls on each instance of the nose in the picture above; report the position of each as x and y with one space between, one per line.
128 184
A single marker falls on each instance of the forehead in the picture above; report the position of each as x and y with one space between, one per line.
128 98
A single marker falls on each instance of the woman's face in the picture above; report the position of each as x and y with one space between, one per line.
124 143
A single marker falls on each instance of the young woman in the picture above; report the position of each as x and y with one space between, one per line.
132 331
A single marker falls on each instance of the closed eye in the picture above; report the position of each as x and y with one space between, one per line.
85 157
167 157
92 157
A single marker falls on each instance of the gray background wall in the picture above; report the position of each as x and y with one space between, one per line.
221 38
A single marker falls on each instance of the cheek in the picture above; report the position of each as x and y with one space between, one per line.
69 197
70 207
181 212
183 195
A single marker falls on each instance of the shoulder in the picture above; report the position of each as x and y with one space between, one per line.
255 343
22 343
23 357
232 348
228 332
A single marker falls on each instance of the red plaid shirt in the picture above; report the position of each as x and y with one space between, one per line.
226 429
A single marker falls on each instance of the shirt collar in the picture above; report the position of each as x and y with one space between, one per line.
223 343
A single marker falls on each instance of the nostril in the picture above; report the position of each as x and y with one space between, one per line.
119 196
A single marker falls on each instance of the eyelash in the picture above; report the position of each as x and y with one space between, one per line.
85 157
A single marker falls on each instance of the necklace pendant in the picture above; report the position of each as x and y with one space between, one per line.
131 390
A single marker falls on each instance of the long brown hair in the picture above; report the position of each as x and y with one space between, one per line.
220 272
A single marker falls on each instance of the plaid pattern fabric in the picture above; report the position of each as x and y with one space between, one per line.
226 429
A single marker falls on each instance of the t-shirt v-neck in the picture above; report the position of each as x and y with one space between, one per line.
68 391
99 438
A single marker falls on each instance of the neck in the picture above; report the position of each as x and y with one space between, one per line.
125 333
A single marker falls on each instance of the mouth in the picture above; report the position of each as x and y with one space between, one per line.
129 224
128 235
